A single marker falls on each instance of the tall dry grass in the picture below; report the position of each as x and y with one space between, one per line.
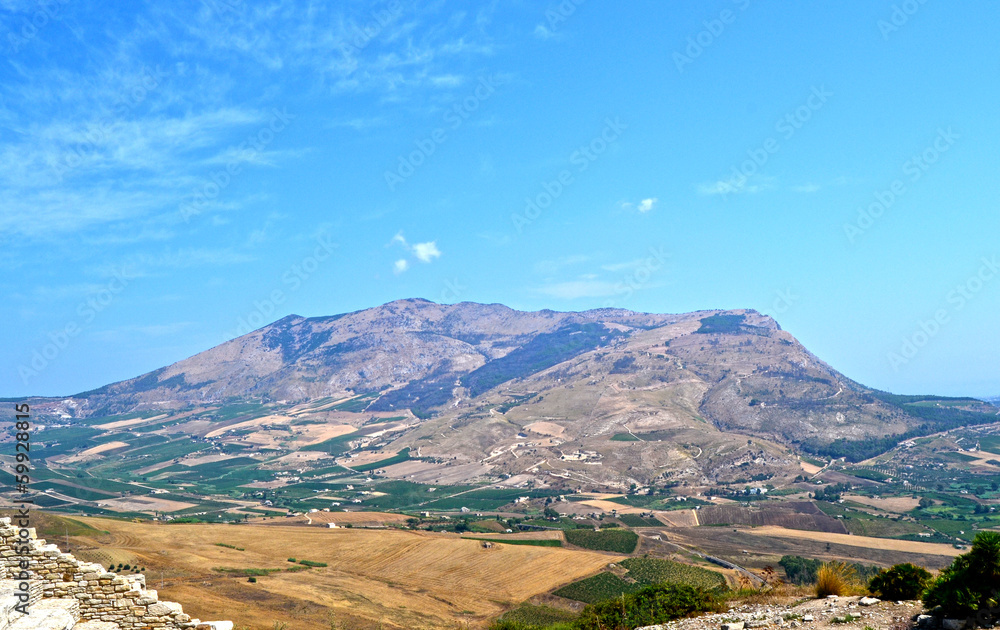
837 578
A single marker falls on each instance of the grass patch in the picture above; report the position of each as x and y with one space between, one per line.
245 572
310 563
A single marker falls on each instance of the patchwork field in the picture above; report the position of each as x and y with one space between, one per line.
373 576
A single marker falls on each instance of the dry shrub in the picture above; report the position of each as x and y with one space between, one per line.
837 578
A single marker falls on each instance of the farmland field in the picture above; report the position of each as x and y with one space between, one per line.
653 571
615 540
597 588
399 578
645 572
860 541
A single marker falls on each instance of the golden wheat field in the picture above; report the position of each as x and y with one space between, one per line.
889 544
399 579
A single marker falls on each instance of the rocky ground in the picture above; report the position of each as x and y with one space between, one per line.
836 612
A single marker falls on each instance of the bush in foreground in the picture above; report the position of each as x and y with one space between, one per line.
835 578
971 585
903 581
650 606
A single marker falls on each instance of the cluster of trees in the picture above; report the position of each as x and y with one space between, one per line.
831 493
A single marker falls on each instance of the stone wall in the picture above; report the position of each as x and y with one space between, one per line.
102 595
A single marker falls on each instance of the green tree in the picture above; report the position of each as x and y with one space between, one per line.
970 585
903 581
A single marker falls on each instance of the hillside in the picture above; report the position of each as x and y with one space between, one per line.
468 392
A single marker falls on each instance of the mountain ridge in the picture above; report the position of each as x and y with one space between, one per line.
608 395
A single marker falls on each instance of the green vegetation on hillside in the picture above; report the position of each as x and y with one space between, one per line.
399 457
542 352
721 324
652 605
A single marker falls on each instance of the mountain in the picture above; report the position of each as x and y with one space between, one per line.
606 396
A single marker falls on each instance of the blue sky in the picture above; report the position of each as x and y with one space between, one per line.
175 173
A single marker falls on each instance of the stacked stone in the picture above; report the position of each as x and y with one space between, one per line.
102 595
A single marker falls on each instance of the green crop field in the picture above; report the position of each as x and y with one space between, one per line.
615 540
624 437
634 520
654 571
529 615
399 457
645 572
597 589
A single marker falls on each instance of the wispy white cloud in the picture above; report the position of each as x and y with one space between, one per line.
734 186
807 188
647 204
115 138
575 289
400 266
553 266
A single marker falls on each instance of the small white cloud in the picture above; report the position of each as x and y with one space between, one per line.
647 204
806 188
426 252
542 32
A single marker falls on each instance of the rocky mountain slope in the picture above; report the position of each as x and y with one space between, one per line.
605 396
